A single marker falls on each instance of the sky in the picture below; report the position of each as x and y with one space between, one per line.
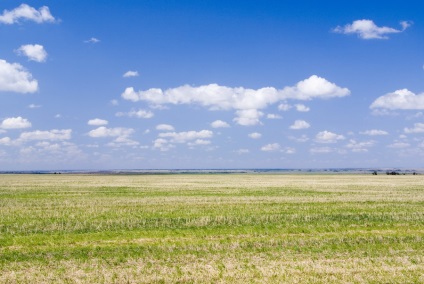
211 84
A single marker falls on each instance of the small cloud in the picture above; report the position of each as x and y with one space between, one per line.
15 78
28 13
302 108
302 139
399 145
34 52
271 147
321 150
52 135
367 29
139 114
242 151
97 122
255 135
15 123
418 128
114 102
284 107
219 124
165 127
328 137
34 106
374 132
183 137
248 117
400 99
130 74
273 116
300 124
102 131
58 115
92 40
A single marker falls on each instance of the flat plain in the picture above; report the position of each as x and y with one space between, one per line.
211 228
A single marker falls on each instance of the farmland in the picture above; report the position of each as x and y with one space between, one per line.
211 228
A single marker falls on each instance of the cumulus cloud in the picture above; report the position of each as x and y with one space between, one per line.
130 74
34 52
255 135
247 117
165 127
183 137
103 131
246 102
418 128
374 132
302 108
28 13
139 114
302 139
271 147
97 122
284 107
6 141
367 29
14 78
15 123
55 134
242 151
360 146
273 116
400 99
300 124
219 124
328 137
399 145
92 40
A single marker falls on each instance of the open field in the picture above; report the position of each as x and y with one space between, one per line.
218 228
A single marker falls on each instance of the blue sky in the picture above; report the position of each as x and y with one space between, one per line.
211 84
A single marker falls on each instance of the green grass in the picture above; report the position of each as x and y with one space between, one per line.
252 228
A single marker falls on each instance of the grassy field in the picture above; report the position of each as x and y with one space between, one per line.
229 228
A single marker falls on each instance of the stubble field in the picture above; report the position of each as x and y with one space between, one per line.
211 228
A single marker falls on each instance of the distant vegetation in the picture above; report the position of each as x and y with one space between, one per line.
211 228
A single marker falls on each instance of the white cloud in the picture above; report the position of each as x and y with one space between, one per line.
55 134
139 114
246 102
255 135
15 123
247 117
34 52
418 128
97 122
162 145
14 78
399 145
110 132
92 40
242 151
273 116
300 124
114 102
199 142
302 108
400 99
6 141
271 147
321 150
34 106
130 74
284 107
301 139
328 137
360 146
367 29
165 127
182 137
374 132
25 12
219 124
